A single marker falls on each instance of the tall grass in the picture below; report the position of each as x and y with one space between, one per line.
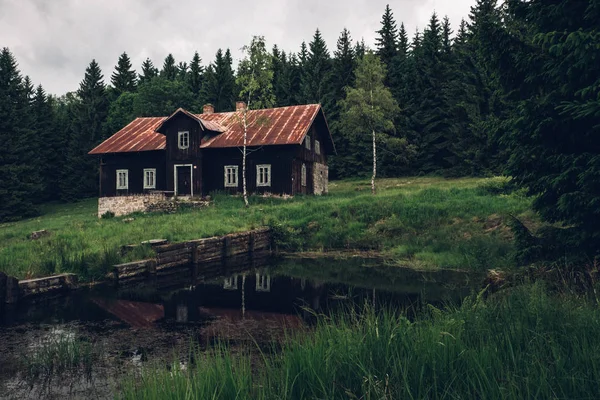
516 345
61 353
425 222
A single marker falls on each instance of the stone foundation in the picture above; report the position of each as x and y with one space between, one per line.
320 178
122 205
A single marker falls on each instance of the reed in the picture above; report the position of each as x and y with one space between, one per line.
521 344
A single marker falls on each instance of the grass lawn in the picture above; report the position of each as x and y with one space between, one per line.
423 222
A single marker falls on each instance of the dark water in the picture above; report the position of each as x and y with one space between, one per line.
130 328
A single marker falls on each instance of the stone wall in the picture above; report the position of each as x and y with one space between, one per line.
122 205
320 178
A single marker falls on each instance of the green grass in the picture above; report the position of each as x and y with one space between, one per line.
60 354
518 344
424 222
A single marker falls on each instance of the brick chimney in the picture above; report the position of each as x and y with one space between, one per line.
208 109
240 105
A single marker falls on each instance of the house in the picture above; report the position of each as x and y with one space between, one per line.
191 155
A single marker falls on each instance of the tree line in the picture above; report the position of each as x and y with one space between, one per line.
515 90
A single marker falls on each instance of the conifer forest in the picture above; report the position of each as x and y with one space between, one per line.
514 91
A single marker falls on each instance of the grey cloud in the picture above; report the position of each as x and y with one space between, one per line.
54 41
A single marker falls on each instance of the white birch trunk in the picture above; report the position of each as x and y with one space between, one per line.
374 152
244 187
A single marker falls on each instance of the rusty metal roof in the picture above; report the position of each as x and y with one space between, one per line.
138 135
283 125
272 126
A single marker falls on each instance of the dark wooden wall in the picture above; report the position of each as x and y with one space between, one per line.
307 157
280 158
135 163
191 155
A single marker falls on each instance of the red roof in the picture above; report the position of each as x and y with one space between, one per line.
273 126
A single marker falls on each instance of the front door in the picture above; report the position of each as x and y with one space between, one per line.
183 181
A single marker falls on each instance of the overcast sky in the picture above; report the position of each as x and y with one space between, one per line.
54 40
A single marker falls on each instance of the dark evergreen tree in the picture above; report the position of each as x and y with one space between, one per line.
359 49
148 71
344 65
316 74
436 131
49 144
218 86
169 70
546 56
194 76
278 65
80 175
182 71
387 41
18 175
123 78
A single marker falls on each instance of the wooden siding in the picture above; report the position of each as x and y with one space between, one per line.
135 163
191 155
279 157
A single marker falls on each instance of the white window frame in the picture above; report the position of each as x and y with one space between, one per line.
234 169
231 283
303 175
146 172
263 283
307 142
268 175
126 186
186 136
317 147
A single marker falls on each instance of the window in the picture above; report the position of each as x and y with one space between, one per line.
307 142
122 179
263 175
231 176
150 178
303 177
183 140
317 147
263 283
231 283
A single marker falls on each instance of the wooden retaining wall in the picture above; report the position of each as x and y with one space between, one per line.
196 260
175 264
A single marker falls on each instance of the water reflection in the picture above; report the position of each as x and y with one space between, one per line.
256 305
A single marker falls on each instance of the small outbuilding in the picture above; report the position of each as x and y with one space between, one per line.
192 155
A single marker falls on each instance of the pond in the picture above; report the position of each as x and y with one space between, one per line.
81 345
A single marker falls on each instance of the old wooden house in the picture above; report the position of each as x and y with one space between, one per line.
191 155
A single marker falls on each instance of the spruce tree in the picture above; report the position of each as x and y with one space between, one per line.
433 112
182 71
278 65
546 57
18 180
149 71
194 76
123 78
169 70
316 73
80 177
48 144
218 86
387 41
344 65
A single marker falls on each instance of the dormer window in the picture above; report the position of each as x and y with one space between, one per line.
183 140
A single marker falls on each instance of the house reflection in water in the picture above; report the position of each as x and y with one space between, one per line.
256 298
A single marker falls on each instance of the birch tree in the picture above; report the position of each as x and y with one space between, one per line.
370 108
255 80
